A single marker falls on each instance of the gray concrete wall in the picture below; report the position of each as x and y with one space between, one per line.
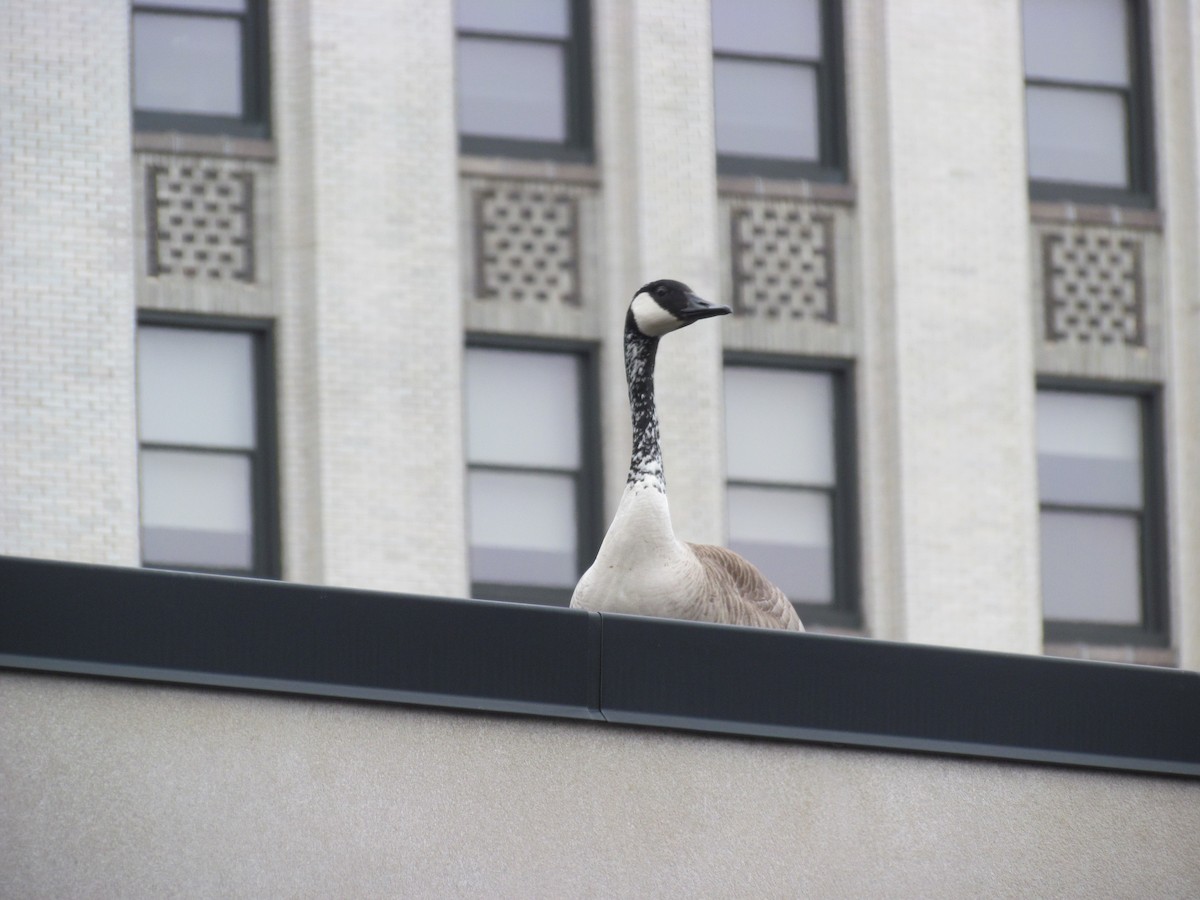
140 790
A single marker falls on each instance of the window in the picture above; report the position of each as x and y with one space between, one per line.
777 85
532 483
206 441
1087 101
523 78
200 66
1101 516
788 453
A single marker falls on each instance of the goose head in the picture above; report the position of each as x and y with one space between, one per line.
663 306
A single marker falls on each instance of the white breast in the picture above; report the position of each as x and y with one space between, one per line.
642 568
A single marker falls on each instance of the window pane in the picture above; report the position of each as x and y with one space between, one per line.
523 408
771 27
779 425
1077 40
1077 136
196 387
1089 449
545 18
235 6
1073 423
523 528
1084 481
511 89
788 535
196 509
187 64
1091 567
766 109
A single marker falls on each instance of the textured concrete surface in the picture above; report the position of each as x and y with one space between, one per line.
137 790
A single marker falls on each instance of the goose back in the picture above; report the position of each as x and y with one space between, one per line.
737 593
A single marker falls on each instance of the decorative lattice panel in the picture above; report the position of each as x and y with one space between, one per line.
200 221
527 243
783 260
1093 287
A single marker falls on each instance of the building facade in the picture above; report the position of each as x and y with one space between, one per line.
334 292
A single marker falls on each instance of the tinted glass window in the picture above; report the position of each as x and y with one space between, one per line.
1091 482
783 490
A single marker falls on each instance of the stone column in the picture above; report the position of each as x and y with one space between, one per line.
947 414
373 345
654 92
1176 42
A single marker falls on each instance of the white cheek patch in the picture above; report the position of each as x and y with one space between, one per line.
651 319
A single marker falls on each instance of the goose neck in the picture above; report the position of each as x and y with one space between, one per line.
645 465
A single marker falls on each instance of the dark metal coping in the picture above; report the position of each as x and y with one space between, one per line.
511 657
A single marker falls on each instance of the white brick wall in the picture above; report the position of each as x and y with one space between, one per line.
295 261
1176 37
67 436
654 92
363 273
948 398
369 154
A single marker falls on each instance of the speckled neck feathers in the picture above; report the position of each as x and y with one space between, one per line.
646 463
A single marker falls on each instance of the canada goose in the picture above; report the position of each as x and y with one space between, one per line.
642 568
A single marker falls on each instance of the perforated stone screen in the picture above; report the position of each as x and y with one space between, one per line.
200 220
1093 290
783 260
527 243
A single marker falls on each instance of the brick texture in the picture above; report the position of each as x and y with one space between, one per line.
67 434
925 274
378 341
655 84
948 399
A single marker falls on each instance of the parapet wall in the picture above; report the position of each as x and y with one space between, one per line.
169 734
133 789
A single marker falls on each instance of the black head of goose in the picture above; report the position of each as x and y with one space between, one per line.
642 568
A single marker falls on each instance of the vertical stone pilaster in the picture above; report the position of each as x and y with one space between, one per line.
949 381
1175 37
375 346
654 93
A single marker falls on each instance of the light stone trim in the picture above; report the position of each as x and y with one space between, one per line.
1093 288
783 260
507 168
803 262
242 224
1097 295
530 254
218 145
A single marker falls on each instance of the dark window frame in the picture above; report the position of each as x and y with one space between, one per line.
255 121
1138 99
589 480
264 458
846 609
1154 629
577 117
833 164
